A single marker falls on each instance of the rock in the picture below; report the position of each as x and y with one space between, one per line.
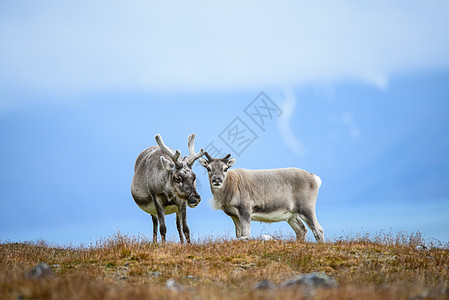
40 271
422 247
264 285
312 280
244 238
266 237
172 285
156 274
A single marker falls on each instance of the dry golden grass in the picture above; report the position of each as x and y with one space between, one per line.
122 267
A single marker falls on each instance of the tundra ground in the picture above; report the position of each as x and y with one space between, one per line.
123 267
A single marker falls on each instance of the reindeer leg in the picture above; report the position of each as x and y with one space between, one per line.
298 226
179 227
238 230
160 217
154 228
185 227
245 222
309 216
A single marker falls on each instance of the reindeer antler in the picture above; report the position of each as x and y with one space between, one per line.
191 145
173 155
226 157
209 158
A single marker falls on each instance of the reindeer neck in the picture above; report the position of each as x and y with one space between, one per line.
229 189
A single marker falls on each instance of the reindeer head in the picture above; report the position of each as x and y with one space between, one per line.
217 169
181 177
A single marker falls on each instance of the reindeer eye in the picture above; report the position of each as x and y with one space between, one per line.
225 170
177 179
208 169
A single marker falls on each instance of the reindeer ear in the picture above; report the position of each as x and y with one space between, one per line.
203 162
168 165
230 162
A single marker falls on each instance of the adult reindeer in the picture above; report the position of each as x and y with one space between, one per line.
164 183
265 196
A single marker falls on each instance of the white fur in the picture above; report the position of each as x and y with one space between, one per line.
277 216
317 179
151 209
214 204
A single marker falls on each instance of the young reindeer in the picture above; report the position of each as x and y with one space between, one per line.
264 195
164 183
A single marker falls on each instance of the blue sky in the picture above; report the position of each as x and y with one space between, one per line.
84 87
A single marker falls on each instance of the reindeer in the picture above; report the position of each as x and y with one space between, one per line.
164 183
264 195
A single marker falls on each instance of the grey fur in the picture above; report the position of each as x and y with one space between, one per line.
156 190
264 195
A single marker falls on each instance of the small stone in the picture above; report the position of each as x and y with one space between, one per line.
422 247
156 274
312 280
40 271
264 285
172 285
266 237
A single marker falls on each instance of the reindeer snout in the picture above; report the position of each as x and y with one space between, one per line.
194 200
217 180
